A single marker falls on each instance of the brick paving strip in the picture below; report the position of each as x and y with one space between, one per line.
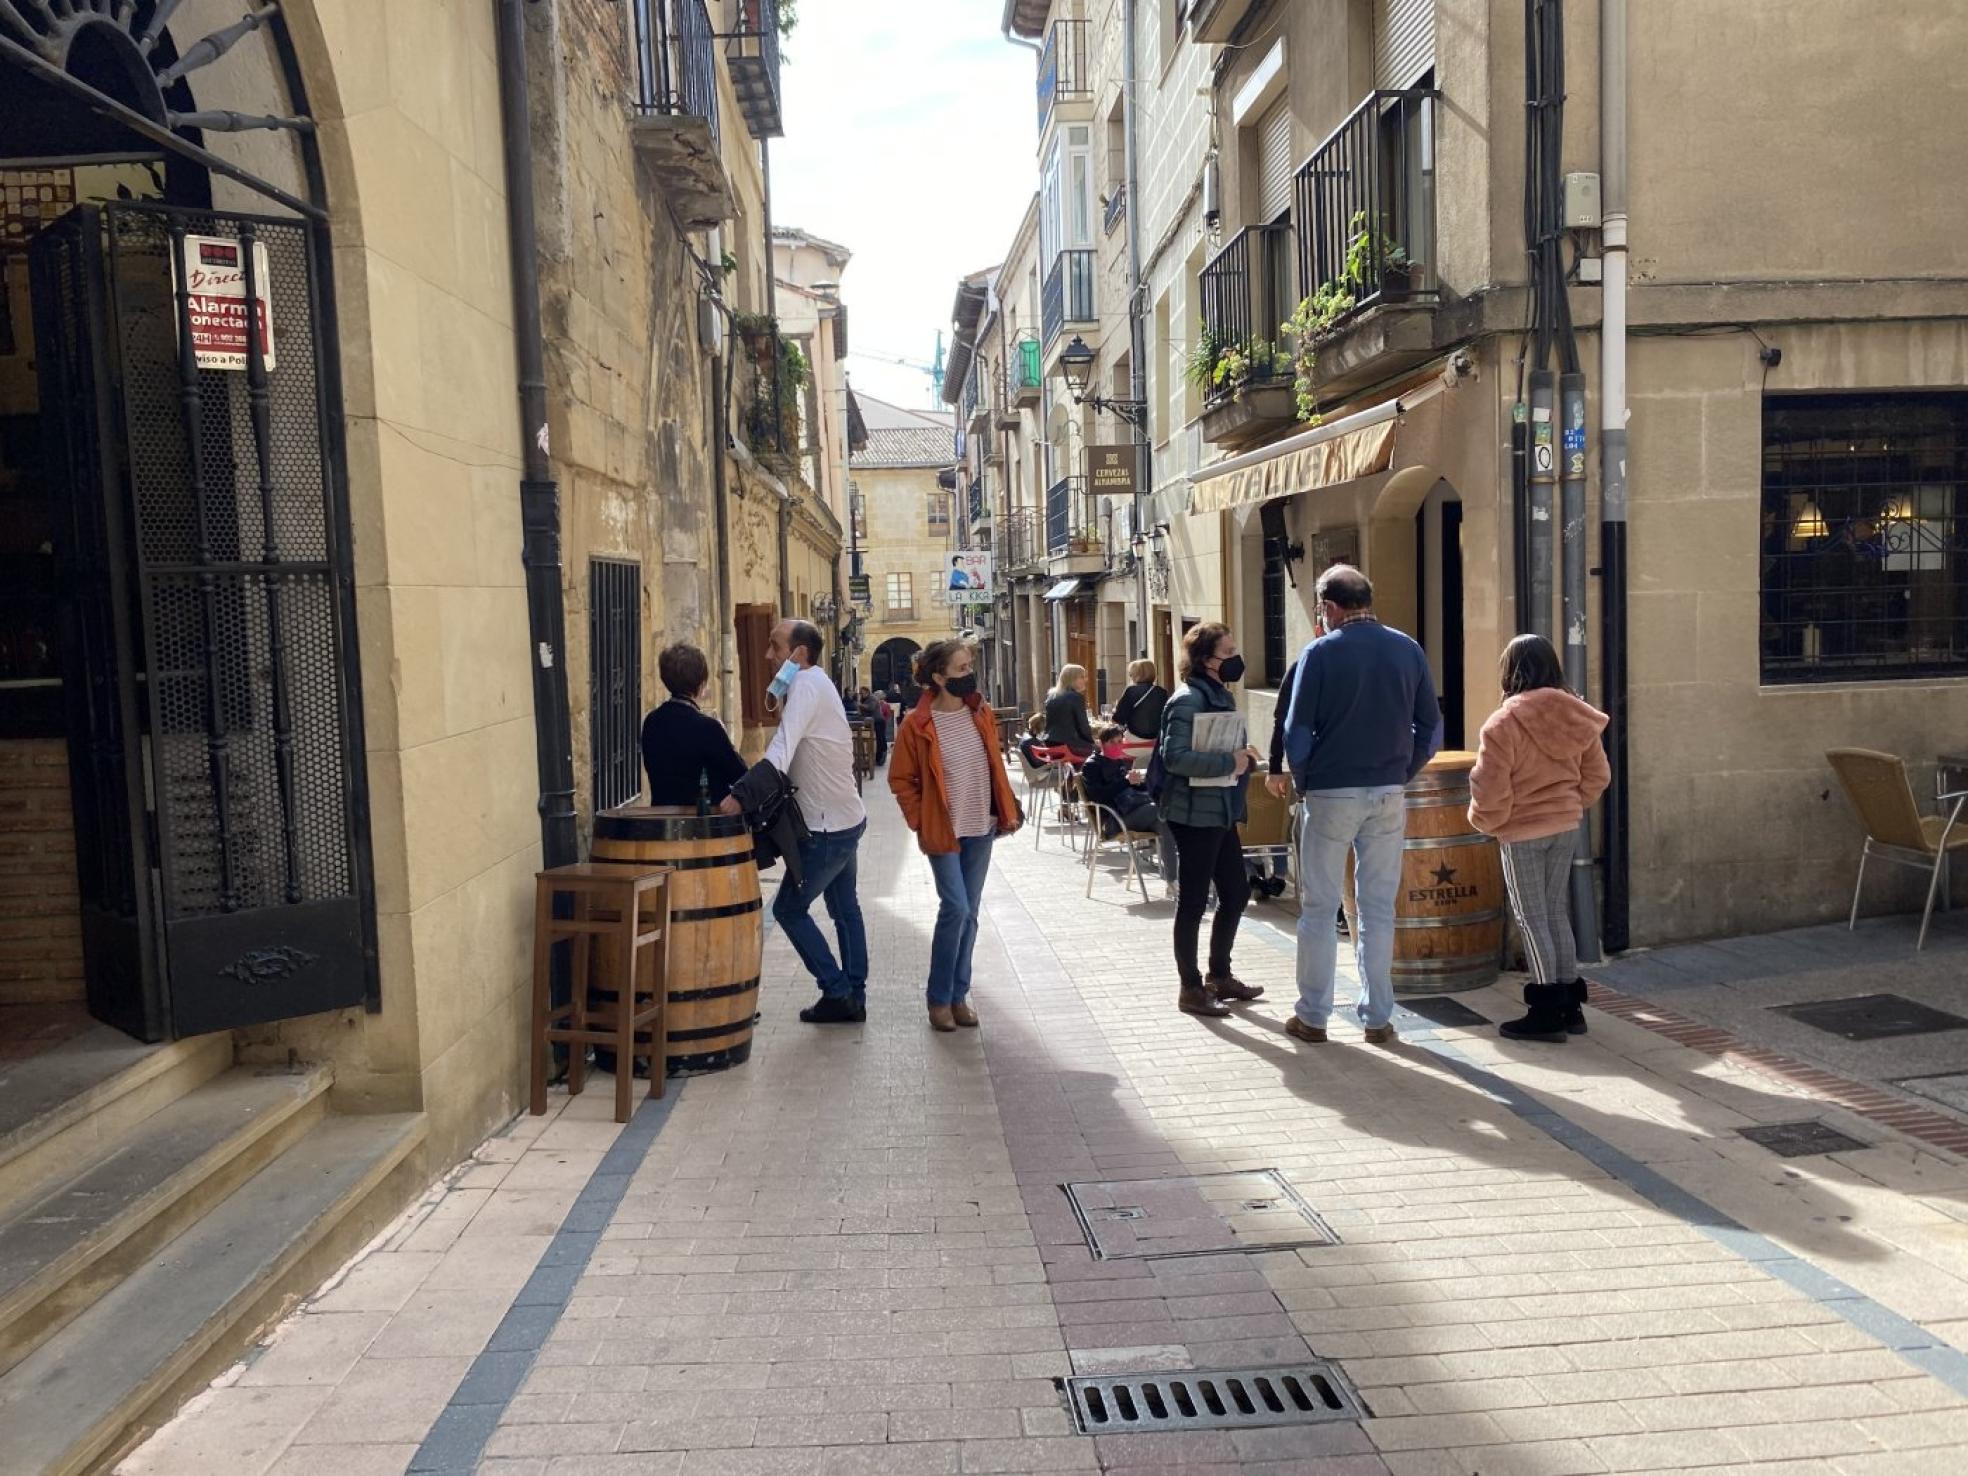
855 1254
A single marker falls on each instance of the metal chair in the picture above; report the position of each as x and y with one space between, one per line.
1895 830
1040 783
1131 842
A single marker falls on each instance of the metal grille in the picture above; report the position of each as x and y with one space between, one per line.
227 481
676 59
1211 1399
1068 293
1369 188
615 678
1864 536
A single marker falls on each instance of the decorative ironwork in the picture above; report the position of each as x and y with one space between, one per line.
1158 574
49 29
1072 517
615 679
1864 536
676 60
1067 296
1247 295
269 965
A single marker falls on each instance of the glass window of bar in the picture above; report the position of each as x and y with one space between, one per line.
1864 536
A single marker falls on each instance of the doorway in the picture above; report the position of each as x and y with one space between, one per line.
1438 560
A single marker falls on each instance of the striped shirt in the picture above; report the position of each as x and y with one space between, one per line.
966 772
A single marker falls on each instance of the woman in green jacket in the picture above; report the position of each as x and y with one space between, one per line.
1202 800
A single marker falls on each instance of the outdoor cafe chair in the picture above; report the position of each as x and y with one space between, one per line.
1100 818
1895 830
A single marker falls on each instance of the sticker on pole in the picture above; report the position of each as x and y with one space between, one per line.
212 275
1541 454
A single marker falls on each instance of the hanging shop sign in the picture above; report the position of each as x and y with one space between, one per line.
1111 470
970 577
213 277
859 591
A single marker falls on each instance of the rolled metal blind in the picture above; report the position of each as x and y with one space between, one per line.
1274 163
1403 41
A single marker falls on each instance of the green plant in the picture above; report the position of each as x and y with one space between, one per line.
1239 364
1313 320
1199 368
727 263
788 17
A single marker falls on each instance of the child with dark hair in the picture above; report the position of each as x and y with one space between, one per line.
1107 777
1539 767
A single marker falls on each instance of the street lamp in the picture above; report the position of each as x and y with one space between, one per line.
1076 365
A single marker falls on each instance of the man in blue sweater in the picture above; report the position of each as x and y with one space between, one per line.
1362 722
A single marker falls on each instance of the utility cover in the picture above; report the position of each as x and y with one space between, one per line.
1195 1215
1872 1017
1801 1139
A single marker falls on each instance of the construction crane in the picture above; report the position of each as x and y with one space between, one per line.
933 370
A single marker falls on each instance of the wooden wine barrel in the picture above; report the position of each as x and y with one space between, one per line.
715 937
1450 913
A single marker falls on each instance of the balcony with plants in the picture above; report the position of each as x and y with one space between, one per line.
1364 207
674 107
1240 360
777 373
1074 537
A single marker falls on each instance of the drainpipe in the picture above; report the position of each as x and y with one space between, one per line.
539 497
1612 468
723 369
1144 456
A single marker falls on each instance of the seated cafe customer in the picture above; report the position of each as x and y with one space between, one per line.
1109 782
687 753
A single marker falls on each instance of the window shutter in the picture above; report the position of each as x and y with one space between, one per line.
1274 163
754 632
1403 41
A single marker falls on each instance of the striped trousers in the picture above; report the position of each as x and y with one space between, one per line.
1538 874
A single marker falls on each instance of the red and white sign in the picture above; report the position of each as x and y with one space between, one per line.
214 279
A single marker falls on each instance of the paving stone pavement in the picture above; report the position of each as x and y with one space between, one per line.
855 1254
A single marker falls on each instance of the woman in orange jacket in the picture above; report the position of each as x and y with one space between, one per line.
950 780
1539 768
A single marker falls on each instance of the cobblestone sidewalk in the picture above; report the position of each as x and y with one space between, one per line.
856 1255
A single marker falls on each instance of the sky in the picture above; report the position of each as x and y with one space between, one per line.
911 130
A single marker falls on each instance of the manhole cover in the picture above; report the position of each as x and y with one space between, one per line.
1440 1009
1800 1139
1197 1215
1949 1089
1872 1017
1211 1399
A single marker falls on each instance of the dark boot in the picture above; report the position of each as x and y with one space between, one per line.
834 1009
1575 1015
1197 1000
1230 987
1549 1004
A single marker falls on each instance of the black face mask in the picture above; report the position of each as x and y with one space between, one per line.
1231 670
963 686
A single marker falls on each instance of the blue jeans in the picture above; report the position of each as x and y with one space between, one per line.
827 865
960 895
1371 823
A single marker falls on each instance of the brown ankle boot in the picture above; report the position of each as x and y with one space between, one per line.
963 1014
1230 987
1196 999
940 1018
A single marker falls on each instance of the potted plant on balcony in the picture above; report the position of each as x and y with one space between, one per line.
1313 321
1376 263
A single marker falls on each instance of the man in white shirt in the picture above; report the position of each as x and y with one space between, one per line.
815 751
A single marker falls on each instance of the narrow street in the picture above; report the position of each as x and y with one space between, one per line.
854 1253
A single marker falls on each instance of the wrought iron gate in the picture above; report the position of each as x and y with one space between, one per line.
219 801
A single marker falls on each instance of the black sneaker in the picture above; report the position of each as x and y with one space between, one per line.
831 1009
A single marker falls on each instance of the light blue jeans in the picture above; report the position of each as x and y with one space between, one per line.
960 896
1371 823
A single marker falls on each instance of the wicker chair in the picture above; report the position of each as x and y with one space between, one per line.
1895 830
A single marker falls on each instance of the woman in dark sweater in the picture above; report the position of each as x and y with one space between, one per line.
1066 712
687 753
1140 707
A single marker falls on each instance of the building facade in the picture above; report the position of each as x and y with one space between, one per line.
1357 170
306 629
904 538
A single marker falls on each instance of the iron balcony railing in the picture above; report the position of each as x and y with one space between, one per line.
751 55
1247 295
1068 293
1022 371
1072 518
1018 542
675 60
972 392
1063 72
1116 208
1365 202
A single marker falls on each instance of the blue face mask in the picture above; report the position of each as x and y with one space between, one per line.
782 682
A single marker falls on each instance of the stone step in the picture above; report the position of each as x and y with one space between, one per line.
70 1105
88 1392
63 1250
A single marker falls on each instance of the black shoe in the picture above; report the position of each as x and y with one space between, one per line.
1575 1015
831 1009
1546 1018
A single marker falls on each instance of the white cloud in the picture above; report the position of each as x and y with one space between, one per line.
911 141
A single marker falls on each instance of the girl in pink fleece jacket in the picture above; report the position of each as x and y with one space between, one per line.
1539 768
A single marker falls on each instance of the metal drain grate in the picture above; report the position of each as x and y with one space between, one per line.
1212 1399
1801 1139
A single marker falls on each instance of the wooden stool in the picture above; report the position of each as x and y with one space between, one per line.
632 907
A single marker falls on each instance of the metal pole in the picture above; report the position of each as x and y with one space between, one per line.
1612 463
1544 484
539 496
1571 407
1144 463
